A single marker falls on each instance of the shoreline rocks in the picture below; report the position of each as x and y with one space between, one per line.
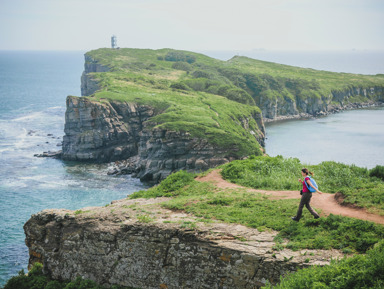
49 154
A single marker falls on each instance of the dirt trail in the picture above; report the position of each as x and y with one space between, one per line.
325 202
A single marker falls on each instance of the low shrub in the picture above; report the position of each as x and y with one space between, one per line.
171 186
377 172
182 66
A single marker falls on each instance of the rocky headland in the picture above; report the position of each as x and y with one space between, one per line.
113 122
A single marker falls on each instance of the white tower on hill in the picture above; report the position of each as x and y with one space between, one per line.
114 41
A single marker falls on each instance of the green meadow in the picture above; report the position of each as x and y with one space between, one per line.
361 241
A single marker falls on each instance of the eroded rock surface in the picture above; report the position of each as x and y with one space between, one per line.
138 243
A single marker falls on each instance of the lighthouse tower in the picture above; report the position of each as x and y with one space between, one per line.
114 41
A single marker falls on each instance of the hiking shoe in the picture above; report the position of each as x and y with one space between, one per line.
317 217
294 218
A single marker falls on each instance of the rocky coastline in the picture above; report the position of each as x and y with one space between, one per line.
332 110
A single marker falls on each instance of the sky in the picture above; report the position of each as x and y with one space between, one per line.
198 25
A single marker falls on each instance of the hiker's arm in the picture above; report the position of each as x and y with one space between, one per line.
310 183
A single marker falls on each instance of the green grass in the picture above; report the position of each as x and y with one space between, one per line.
256 210
360 271
213 99
277 173
253 79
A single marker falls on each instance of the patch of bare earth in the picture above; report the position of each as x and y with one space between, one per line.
325 202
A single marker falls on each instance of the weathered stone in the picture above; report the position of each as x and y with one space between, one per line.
111 246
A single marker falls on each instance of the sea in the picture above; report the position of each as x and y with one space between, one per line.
33 89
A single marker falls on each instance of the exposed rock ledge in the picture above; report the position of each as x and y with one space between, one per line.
113 131
323 111
140 244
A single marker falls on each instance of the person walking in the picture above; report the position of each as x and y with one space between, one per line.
306 196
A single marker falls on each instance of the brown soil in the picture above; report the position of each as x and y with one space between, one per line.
324 202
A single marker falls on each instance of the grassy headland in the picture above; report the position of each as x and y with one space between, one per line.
214 99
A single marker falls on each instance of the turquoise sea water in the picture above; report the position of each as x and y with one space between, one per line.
33 89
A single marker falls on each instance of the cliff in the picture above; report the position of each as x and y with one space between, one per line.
350 98
139 243
159 111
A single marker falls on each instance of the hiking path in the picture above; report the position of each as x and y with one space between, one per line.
324 202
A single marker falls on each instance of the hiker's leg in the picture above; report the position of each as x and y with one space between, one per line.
303 201
312 211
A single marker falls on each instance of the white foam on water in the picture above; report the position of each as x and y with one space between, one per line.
29 117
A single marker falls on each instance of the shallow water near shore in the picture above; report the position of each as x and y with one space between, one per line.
33 89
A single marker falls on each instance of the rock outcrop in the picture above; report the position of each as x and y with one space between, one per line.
109 131
119 131
119 244
88 84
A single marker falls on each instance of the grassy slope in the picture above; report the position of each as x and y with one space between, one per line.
327 80
195 94
277 173
143 79
259 211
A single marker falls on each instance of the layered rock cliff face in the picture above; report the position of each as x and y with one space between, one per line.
283 108
108 131
120 245
111 131
88 84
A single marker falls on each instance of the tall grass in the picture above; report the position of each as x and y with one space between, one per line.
357 185
256 210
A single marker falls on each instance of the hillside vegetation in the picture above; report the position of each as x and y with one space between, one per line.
359 186
261 212
362 187
241 79
214 99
